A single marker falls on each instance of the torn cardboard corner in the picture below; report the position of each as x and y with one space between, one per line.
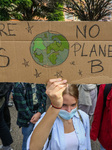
35 52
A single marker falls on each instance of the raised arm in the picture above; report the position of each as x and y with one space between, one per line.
54 90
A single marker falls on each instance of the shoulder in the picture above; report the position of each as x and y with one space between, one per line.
18 88
83 114
89 86
17 85
21 85
102 86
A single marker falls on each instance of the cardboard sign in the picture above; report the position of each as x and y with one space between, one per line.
35 52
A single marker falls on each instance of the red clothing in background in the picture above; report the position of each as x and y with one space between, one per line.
102 122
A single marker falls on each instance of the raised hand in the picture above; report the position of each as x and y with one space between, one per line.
54 90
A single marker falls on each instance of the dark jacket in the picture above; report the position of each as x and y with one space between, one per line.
4 87
102 122
24 101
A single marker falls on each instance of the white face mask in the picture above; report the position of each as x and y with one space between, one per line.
66 115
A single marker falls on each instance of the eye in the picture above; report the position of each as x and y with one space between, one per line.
73 105
64 105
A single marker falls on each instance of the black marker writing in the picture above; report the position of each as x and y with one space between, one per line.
37 74
96 66
25 63
4 57
9 28
94 50
90 33
29 28
59 74
80 73
72 63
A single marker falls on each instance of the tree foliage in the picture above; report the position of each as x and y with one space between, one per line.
89 10
56 14
28 9
85 10
41 8
24 10
6 7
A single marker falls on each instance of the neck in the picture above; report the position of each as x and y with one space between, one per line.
66 121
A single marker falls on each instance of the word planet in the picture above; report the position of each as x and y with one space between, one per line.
49 49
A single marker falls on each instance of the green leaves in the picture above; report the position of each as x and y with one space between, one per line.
57 13
6 7
85 10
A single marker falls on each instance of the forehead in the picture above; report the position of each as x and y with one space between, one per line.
68 99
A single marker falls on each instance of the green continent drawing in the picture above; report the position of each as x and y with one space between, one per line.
49 49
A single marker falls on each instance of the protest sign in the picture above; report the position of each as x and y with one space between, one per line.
34 51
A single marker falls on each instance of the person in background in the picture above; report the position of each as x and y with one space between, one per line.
101 128
87 98
98 86
6 111
30 102
63 126
5 135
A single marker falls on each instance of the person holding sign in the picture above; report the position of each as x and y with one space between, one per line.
63 126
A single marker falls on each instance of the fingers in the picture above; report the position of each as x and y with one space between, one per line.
33 122
51 81
35 117
55 85
59 92
32 119
55 82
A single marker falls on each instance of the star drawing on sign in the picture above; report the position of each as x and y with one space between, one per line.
29 28
80 73
58 74
37 74
72 63
25 63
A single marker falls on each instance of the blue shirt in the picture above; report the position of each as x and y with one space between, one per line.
57 141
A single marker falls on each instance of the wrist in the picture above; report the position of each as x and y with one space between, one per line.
54 110
55 106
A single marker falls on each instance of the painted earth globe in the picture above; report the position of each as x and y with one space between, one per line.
49 49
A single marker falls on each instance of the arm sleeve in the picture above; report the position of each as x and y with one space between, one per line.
97 114
41 98
20 100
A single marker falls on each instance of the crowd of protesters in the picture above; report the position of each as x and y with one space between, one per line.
60 111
